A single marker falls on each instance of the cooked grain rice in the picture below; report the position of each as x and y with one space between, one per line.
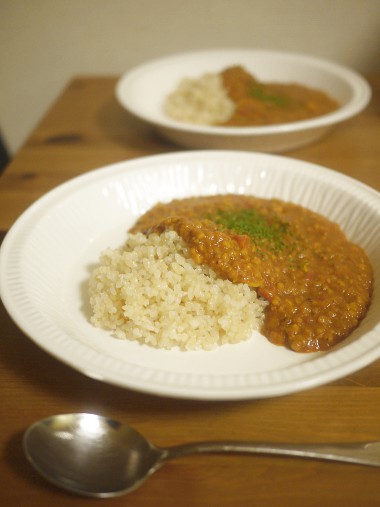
203 101
151 291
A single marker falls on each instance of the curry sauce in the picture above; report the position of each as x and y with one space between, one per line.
261 103
318 284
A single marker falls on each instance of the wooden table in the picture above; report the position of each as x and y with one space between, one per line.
85 129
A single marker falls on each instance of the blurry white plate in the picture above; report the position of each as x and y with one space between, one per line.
47 255
144 89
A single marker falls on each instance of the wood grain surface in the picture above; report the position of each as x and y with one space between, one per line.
85 129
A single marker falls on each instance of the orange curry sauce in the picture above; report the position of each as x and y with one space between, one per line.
317 283
259 103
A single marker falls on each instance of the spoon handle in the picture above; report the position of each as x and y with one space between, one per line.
365 453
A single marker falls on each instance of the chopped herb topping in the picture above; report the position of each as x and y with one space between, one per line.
251 223
258 92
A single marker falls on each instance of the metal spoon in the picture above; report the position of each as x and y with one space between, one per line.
99 457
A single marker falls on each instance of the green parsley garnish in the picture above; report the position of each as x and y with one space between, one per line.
258 92
251 223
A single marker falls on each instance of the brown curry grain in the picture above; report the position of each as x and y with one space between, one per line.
318 284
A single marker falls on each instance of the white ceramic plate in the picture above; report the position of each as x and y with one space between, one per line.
46 257
144 89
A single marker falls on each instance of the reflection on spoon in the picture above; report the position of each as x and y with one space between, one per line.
95 456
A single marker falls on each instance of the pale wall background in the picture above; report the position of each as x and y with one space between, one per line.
44 43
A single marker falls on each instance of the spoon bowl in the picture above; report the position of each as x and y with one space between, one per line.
90 455
96 456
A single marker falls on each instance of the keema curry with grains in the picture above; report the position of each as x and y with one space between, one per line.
318 283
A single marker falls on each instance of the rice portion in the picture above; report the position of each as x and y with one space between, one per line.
151 291
203 101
